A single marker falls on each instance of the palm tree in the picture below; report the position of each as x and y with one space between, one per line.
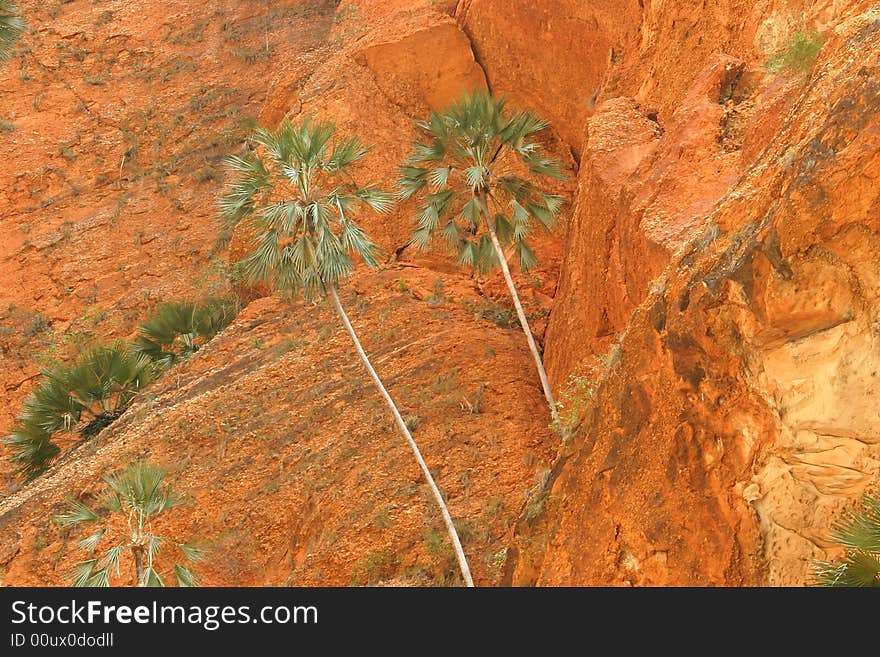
179 329
138 494
859 533
85 397
297 197
11 28
468 167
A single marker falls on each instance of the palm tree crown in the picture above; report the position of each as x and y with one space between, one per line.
298 199
471 157
139 494
11 28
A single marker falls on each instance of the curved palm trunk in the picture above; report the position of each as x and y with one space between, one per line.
502 259
447 519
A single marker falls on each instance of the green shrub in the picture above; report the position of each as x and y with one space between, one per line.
798 54
375 567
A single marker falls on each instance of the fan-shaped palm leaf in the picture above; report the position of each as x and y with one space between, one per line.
179 329
32 449
296 194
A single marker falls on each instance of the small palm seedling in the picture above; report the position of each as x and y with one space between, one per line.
467 169
84 397
859 532
178 329
296 196
11 28
138 495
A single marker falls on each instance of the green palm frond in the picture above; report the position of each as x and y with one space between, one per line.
32 449
86 396
81 573
194 553
412 179
303 211
345 153
464 153
505 228
178 329
110 560
11 28
107 378
152 578
526 256
251 183
154 546
53 405
185 577
856 568
76 513
140 487
859 532
545 166
90 543
860 529
100 578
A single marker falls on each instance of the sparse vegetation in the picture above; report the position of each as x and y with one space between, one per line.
798 54
468 170
375 567
859 533
138 495
579 394
437 295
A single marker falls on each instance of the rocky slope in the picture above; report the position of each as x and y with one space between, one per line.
712 289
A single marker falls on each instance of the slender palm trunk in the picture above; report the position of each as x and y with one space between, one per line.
138 552
447 519
502 259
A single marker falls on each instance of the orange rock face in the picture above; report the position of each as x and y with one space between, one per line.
551 56
734 420
712 289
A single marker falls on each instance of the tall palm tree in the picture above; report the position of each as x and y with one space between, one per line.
85 397
139 495
859 533
11 28
468 166
299 200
